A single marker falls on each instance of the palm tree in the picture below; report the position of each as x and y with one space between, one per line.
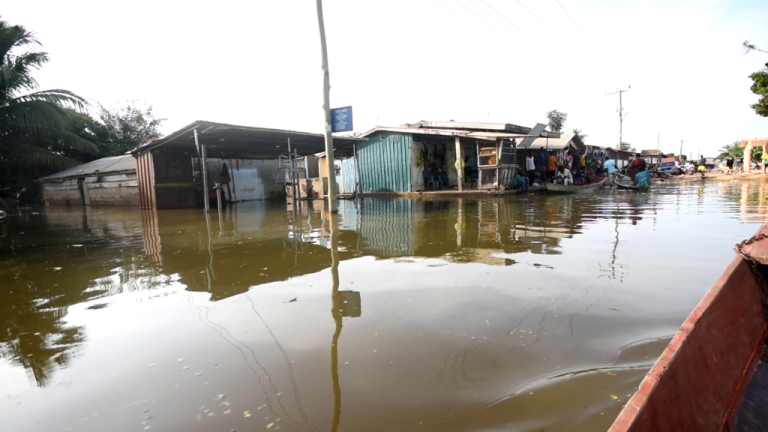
731 150
34 124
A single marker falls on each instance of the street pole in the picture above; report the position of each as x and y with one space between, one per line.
621 115
332 205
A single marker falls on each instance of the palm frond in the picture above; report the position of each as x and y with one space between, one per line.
58 97
15 72
26 154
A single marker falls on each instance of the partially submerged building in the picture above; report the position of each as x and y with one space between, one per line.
248 162
427 155
108 181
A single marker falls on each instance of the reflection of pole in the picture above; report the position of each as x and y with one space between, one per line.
336 313
459 222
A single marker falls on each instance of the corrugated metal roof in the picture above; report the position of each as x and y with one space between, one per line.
755 142
554 143
108 165
490 136
246 142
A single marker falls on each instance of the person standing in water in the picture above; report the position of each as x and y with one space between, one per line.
610 168
530 166
552 166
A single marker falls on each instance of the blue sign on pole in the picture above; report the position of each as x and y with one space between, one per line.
341 119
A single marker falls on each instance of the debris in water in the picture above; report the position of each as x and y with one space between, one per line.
185 368
181 360
220 397
198 373
488 324
613 308
291 300
614 397
227 411
269 426
611 374
57 268
247 414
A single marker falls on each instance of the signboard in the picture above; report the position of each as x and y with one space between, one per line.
341 119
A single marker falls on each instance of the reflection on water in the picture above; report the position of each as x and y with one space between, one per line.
513 313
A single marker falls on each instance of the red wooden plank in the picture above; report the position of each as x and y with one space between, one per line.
696 383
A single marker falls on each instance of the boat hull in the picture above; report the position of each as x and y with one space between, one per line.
573 189
700 377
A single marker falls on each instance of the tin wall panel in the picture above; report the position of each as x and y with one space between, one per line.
385 163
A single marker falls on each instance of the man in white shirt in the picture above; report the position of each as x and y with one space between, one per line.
565 174
530 166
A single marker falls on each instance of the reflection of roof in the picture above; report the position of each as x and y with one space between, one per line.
109 165
231 141
650 152
554 143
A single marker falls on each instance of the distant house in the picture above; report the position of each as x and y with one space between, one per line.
109 181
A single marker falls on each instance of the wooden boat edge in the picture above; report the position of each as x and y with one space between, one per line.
664 401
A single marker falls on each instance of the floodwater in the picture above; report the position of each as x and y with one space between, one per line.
515 313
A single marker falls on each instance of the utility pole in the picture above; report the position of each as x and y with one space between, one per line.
329 162
658 138
681 149
621 115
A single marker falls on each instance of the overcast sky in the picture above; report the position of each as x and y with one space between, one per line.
257 63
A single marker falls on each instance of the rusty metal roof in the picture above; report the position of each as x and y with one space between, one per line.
755 142
108 165
245 142
553 143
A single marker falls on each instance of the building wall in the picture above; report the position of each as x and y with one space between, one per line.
174 184
385 163
107 190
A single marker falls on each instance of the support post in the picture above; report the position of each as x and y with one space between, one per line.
291 177
332 205
459 167
357 168
297 177
207 204
621 122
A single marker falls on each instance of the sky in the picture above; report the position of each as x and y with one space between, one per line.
257 63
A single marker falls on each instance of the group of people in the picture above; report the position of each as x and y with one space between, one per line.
576 168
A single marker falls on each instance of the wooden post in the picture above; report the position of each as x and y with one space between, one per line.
459 168
204 169
332 204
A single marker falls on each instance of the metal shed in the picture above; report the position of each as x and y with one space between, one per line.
109 181
173 171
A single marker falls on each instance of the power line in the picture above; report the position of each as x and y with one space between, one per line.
473 13
574 21
537 19
455 13
505 18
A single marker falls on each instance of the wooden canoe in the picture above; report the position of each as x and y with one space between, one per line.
572 189
625 182
711 376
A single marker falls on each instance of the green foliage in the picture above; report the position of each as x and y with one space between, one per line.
33 124
760 88
733 150
625 146
556 120
128 127
580 137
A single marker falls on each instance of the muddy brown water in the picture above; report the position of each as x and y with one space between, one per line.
475 314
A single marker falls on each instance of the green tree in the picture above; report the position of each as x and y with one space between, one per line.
731 150
625 146
759 83
580 137
33 124
556 120
123 129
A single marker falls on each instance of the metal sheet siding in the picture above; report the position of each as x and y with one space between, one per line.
348 179
385 163
145 172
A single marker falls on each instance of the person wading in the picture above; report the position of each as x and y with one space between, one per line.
610 168
530 166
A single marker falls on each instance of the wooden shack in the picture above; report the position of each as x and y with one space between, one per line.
109 181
